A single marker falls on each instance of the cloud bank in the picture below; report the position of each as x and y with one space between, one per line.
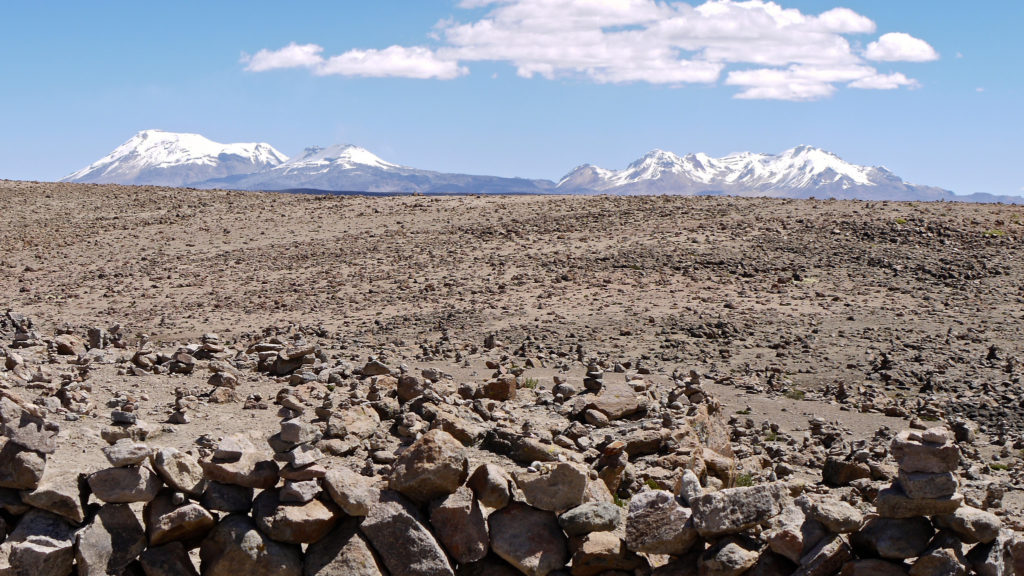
765 50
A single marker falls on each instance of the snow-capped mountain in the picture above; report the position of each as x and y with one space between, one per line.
796 173
345 167
174 159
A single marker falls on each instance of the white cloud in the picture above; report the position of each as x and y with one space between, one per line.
900 47
765 49
394 61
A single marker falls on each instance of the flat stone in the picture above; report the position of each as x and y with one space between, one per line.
491 485
657 523
299 492
460 525
602 552
792 535
60 492
734 510
20 468
168 560
826 558
352 491
555 488
42 544
434 466
251 470
297 431
126 452
892 538
179 471
113 539
837 516
169 522
617 400
915 454
893 503
971 524
920 485
590 517
27 430
303 455
395 526
310 472
231 448
227 498
730 557
125 485
938 562
293 523
529 539
235 546
342 552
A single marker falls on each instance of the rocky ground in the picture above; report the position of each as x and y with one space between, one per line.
610 341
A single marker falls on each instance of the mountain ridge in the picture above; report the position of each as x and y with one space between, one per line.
172 159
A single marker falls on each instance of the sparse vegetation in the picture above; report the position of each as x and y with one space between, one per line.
794 394
745 479
530 383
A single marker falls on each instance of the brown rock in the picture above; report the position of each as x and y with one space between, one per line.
893 503
250 470
169 522
914 453
460 526
733 510
657 523
555 488
528 539
342 552
61 492
432 467
491 485
236 547
293 523
125 485
397 528
179 471
601 552
110 542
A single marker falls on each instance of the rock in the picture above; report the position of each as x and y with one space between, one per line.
360 421
232 448
971 524
293 523
617 400
938 562
375 368
169 522
236 547
873 567
728 558
688 487
27 430
924 485
342 552
491 485
657 523
179 471
353 492
250 471
113 539
914 453
826 558
892 538
125 452
836 515
62 493
995 558
299 491
837 472
893 503
69 345
502 389
601 552
733 510
168 560
432 467
590 517
460 525
227 498
490 566
20 468
395 526
296 431
125 485
42 544
528 539
555 488
792 535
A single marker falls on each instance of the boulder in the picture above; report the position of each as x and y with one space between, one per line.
125 485
893 503
826 558
342 552
491 485
250 470
352 491
168 560
555 488
460 525
734 510
26 429
396 528
432 467
601 552
293 523
227 498
529 539
179 471
235 546
836 515
113 539
20 468
971 524
170 518
62 492
590 517
42 544
657 523
892 538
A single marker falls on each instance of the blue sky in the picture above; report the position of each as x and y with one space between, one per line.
930 89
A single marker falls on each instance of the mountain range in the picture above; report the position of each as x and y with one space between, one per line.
155 157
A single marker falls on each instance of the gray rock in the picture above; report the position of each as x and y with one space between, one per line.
892 538
299 491
729 557
342 552
792 535
893 503
167 560
125 485
42 544
296 431
555 488
236 547
395 527
61 492
528 539
836 515
292 522
913 453
179 471
688 487
602 553
734 510
491 484
590 517
113 539
352 491
925 485
460 526
20 468
251 470
971 524
938 562
432 467
167 521
126 452
227 498
826 558
27 430
657 523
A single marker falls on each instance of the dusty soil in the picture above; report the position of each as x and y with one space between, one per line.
867 313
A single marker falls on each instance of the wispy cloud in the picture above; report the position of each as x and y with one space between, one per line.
768 51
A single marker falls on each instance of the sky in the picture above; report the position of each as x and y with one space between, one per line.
931 89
